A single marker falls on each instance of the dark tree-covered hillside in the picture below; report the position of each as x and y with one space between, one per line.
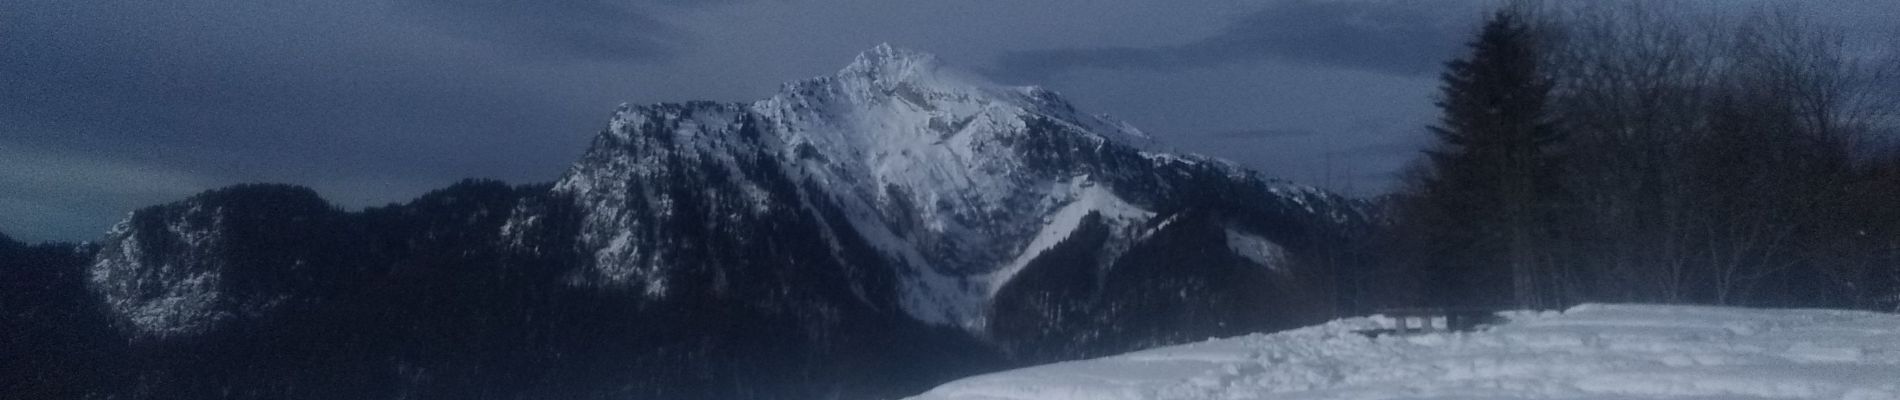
1653 153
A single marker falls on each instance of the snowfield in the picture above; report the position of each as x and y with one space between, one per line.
1591 351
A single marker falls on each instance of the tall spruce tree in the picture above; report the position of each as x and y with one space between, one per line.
1491 183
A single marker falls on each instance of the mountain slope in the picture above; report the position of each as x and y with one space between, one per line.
958 183
1588 352
865 233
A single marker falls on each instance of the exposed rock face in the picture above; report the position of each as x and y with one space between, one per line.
230 254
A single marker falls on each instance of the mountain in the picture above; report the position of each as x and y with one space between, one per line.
864 234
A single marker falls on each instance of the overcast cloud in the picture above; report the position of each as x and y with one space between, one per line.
1400 38
109 106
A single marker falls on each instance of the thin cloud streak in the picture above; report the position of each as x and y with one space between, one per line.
579 29
1398 38
67 197
1264 133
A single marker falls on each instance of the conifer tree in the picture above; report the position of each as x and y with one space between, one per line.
1490 186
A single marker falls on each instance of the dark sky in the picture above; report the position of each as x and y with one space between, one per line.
106 106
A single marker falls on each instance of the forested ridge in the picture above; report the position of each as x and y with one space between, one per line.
1639 152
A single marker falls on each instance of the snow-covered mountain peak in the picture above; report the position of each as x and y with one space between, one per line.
898 83
917 79
886 61
955 182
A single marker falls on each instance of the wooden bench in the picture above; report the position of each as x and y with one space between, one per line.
1422 320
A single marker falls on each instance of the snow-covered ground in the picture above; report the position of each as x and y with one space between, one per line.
1588 352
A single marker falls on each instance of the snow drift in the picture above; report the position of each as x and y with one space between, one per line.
1587 352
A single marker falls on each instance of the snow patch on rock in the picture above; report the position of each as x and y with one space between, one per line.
172 297
1257 249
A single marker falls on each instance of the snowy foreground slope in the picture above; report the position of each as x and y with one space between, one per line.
1587 352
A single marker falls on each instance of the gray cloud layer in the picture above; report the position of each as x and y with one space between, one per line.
106 106
1266 133
586 29
1400 38
367 100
